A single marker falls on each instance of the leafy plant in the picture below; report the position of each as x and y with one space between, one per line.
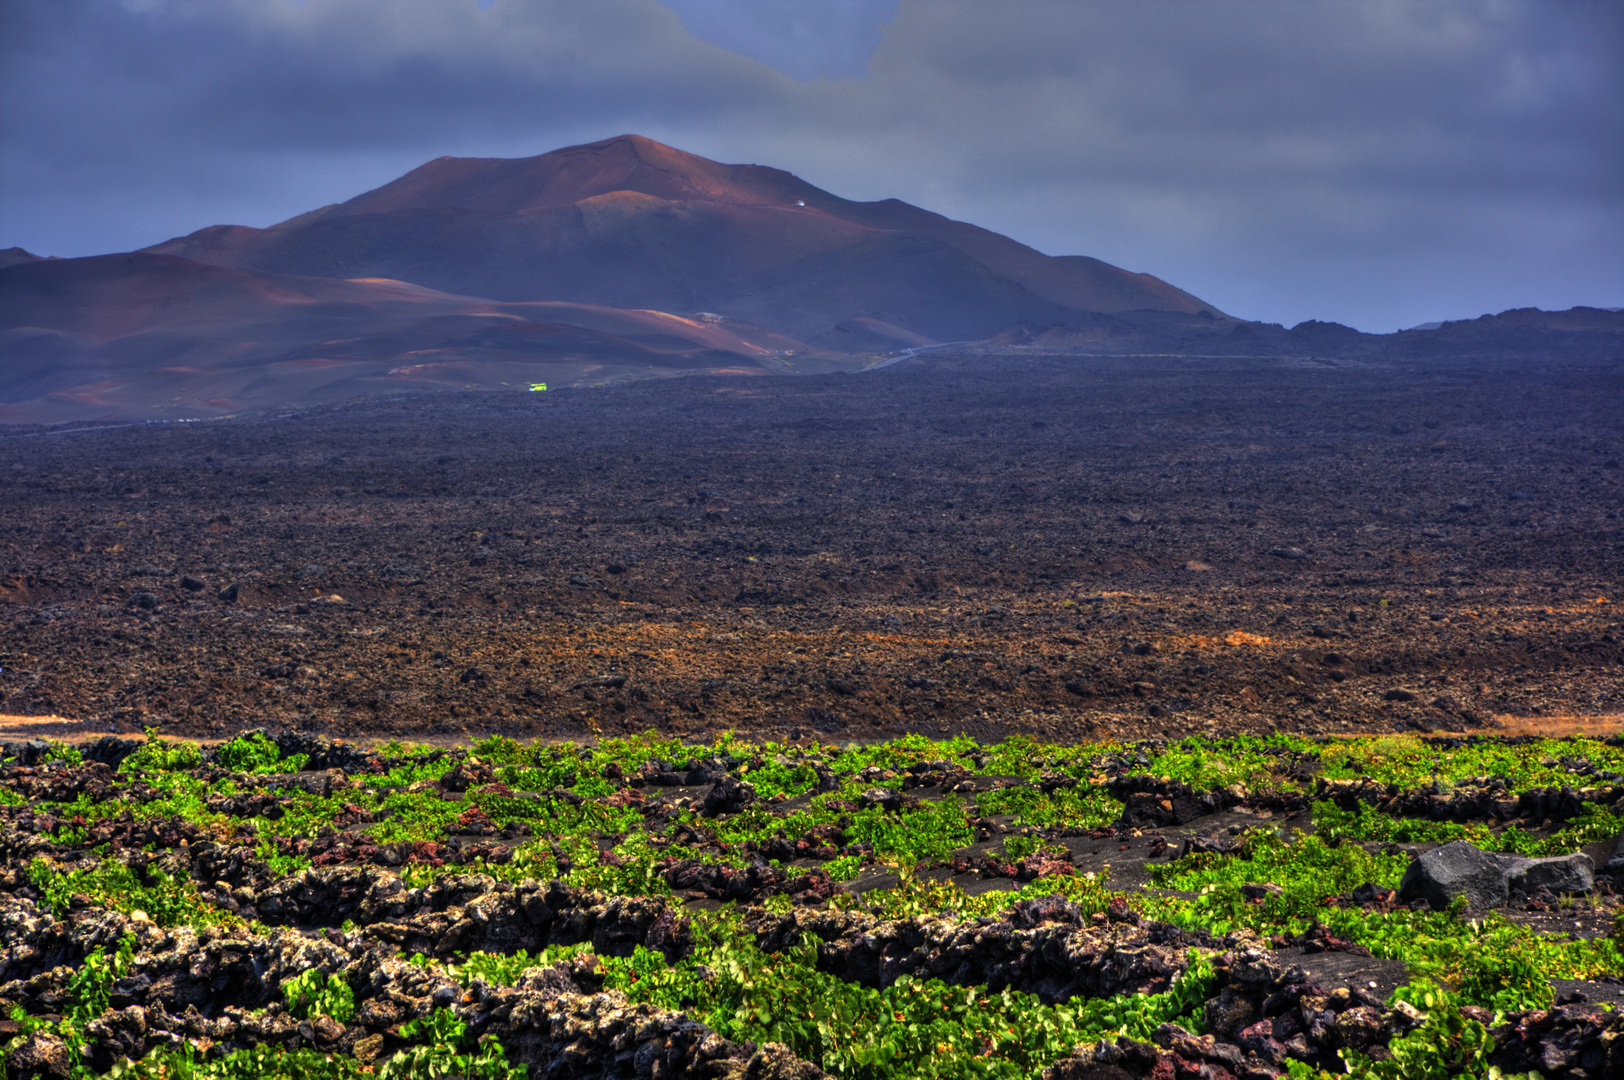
257 752
315 993
913 1028
262 1062
90 988
445 1049
66 753
166 900
501 750
159 754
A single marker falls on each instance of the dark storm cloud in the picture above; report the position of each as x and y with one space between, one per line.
1380 162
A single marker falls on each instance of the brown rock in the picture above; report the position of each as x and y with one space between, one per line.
41 1055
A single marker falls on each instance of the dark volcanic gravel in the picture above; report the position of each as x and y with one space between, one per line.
1063 545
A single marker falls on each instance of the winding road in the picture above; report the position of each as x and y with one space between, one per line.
907 354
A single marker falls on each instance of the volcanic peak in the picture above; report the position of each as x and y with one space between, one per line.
560 178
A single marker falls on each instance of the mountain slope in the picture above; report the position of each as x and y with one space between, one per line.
144 335
629 222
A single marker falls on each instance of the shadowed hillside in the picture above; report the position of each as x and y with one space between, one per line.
160 336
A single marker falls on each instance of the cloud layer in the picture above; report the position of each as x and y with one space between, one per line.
1381 163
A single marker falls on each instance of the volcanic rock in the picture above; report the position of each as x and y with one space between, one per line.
728 797
1456 869
40 1055
1561 874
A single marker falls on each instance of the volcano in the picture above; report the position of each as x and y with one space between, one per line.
632 223
615 260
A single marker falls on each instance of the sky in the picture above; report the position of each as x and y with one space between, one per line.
1380 163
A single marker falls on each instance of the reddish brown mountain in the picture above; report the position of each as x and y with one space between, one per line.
629 222
160 336
618 259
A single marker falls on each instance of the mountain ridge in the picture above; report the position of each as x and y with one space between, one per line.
630 222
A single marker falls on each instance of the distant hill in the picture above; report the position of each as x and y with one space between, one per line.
629 222
14 256
1577 318
143 335
1581 333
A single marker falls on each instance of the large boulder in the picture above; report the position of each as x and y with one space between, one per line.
1456 869
1561 874
1487 880
40 1055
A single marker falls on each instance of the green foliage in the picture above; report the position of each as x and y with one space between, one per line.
167 901
1018 755
158 754
592 787
630 753
546 768
88 993
66 753
90 987
279 864
1066 808
257 752
412 771
314 993
931 832
844 868
1206 764
913 897
178 794
396 749
1490 962
913 1028
1409 762
498 969
501 750
1594 822
1309 869
445 1049
262 1062
412 817
1444 1046
636 875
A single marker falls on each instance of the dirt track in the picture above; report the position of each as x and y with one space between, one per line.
1063 545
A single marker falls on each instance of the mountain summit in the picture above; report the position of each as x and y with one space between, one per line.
629 222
